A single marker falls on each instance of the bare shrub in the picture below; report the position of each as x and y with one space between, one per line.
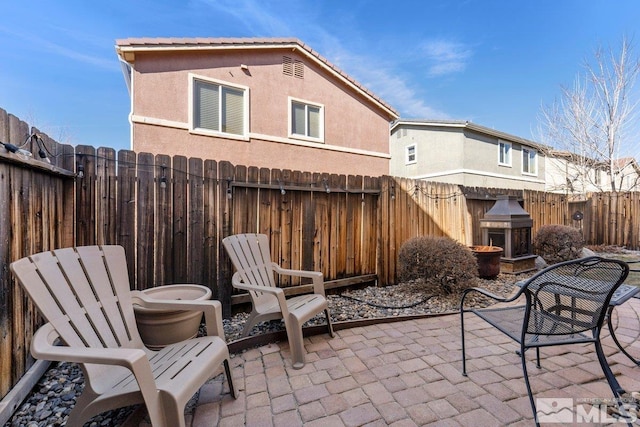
556 243
445 266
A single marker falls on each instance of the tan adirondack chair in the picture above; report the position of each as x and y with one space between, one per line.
84 294
255 273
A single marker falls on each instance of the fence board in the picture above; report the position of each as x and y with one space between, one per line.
145 219
85 195
371 225
6 302
264 206
253 176
180 219
106 200
295 243
19 215
286 224
164 220
195 242
340 183
67 196
278 200
226 176
307 226
210 268
126 209
240 195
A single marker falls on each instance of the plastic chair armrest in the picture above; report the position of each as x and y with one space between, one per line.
316 276
43 347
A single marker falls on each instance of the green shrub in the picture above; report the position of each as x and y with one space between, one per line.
445 266
556 243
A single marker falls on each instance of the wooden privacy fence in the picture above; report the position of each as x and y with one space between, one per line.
171 213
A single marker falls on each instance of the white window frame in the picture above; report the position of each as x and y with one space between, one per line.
531 154
221 83
508 149
305 137
407 154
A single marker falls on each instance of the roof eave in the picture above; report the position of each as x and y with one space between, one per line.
463 124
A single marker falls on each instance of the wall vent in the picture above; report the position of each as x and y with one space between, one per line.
292 67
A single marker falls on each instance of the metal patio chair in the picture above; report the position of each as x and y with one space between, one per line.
84 294
255 273
565 303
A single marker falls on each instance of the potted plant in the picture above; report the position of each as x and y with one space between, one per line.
488 260
159 328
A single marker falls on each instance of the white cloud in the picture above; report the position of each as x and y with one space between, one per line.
45 45
393 88
446 57
377 72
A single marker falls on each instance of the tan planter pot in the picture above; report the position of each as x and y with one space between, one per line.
488 260
159 328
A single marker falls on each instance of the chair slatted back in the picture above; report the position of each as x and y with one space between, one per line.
251 257
84 293
574 296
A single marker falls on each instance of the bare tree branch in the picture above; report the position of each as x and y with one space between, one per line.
591 122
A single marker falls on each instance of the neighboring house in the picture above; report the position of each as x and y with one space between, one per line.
273 103
464 153
577 175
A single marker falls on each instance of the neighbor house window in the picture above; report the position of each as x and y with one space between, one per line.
219 108
529 161
597 177
306 120
410 156
504 154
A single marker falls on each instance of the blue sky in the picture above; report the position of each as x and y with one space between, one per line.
493 62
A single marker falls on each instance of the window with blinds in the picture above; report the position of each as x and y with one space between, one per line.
307 120
218 107
410 156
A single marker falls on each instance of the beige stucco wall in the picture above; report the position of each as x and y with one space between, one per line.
459 155
356 132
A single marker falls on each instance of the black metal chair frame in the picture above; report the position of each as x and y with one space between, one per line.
566 303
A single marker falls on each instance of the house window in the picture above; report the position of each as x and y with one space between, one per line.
410 156
597 178
219 108
307 120
504 153
529 160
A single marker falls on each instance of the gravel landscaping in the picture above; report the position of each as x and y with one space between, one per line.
53 397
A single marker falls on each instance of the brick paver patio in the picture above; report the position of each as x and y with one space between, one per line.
408 374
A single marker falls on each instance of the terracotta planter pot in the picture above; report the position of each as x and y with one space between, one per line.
159 328
488 260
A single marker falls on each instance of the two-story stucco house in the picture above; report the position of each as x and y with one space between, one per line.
464 153
272 103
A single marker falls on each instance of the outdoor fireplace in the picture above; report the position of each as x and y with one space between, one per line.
507 225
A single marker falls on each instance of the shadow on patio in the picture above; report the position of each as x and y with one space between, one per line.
409 373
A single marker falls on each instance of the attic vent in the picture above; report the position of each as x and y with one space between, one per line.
291 67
